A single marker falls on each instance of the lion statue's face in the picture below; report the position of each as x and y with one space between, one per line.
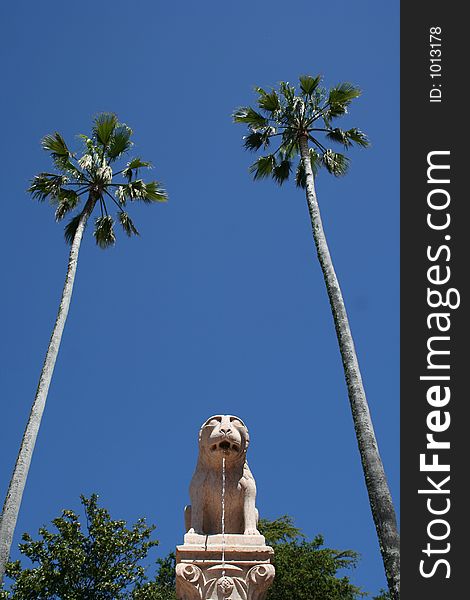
224 436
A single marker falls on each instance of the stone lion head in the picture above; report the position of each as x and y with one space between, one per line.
223 436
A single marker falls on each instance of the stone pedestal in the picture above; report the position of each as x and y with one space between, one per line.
230 567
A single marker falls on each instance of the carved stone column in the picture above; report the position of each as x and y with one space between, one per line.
209 568
223 556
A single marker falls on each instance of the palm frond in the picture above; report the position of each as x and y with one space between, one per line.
133 166
139 190
348 137
256 139
88 142
127 224
340 136
104 231
344 93
359 137
154 192
248 115
135 190
47 185
119 142
71 228
289 147
335 163
340 97
104 126
282 171
263 167
268 101
104 174
138 163
122 195
309 84
67 201
326 119
55 144
64 164
300 175
86 161
287 90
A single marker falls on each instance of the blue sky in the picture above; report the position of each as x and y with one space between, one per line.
219 306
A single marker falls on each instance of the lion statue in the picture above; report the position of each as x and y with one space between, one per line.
222 437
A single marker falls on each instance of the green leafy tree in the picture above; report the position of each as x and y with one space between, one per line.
94 177
300 124
305 570
281 530
101 560
163 587
382 595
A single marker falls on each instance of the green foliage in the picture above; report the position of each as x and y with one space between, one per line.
309 84
153 192
305 570
71 228
163 586
67 201
56 146
133 166
104 231
268 101
339 98
47 185
335 163
348 137
383 595
291 116
263 167
281 530
103 127
315 163
100 560
282 170
139 190
152 591
120 142
252 118
91 175
127 224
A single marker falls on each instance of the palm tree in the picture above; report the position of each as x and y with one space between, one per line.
91 176
298 120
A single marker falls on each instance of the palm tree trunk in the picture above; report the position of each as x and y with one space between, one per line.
12 503
380 498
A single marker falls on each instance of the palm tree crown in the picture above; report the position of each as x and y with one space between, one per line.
289 117
92 174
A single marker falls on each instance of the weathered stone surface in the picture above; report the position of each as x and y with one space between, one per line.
209 569
216 582
222 437
229 539
223 558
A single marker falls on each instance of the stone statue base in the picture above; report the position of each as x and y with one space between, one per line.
230 567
